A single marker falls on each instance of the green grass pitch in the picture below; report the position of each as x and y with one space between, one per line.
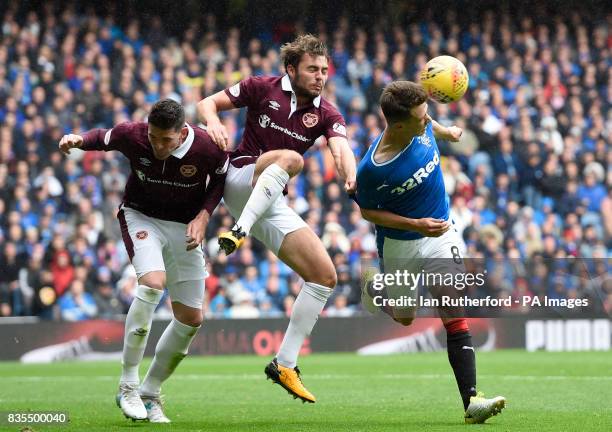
545 392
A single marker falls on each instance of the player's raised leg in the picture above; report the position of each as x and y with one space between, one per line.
397 256
303 251
272 173
137 329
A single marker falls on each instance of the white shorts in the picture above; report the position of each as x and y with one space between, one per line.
439 255
159 245
278 221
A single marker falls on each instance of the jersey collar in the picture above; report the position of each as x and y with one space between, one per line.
182 150
286 86
377 143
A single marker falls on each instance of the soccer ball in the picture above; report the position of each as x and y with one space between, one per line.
445 79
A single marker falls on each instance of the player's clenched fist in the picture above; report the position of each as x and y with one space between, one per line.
70 141
454 133
350 186
430 227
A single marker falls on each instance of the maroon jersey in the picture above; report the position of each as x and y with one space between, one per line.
273 120
174 189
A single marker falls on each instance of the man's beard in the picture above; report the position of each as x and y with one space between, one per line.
302 91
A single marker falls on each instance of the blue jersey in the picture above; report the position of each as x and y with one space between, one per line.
410 185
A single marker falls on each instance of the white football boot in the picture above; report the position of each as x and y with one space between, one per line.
481 408
153 405
128 399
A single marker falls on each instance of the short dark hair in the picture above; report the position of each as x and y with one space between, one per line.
291 53
399 97
167 114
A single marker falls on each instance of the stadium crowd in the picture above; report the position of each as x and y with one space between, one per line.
529 179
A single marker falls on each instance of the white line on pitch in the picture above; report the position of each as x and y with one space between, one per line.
257 377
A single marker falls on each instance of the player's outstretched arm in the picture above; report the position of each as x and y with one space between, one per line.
429 227
208 112
70 141
451 133
98 139
345 162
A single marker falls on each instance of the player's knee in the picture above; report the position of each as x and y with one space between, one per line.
155 280
405 321
291 161
328 278
192 320
156 285
196 322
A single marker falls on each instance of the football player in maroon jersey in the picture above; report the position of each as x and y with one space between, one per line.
166 207
285 115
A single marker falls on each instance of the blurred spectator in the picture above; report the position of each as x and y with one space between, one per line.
76 304
244 306
63 272
107 302
218 307
339 308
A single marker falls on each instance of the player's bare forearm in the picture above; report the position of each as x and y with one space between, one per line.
348 163
202 219
210 107
203 215
350 170
451 133
388 219
337 154
208 112
428 227
345 162
438 130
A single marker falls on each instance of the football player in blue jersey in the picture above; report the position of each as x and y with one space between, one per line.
400 189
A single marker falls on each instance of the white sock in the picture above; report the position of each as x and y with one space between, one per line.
306 309
170 350
268 188
137 329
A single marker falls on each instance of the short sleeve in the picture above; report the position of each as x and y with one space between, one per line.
246 92
117 137
335 126
366 195
107 139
